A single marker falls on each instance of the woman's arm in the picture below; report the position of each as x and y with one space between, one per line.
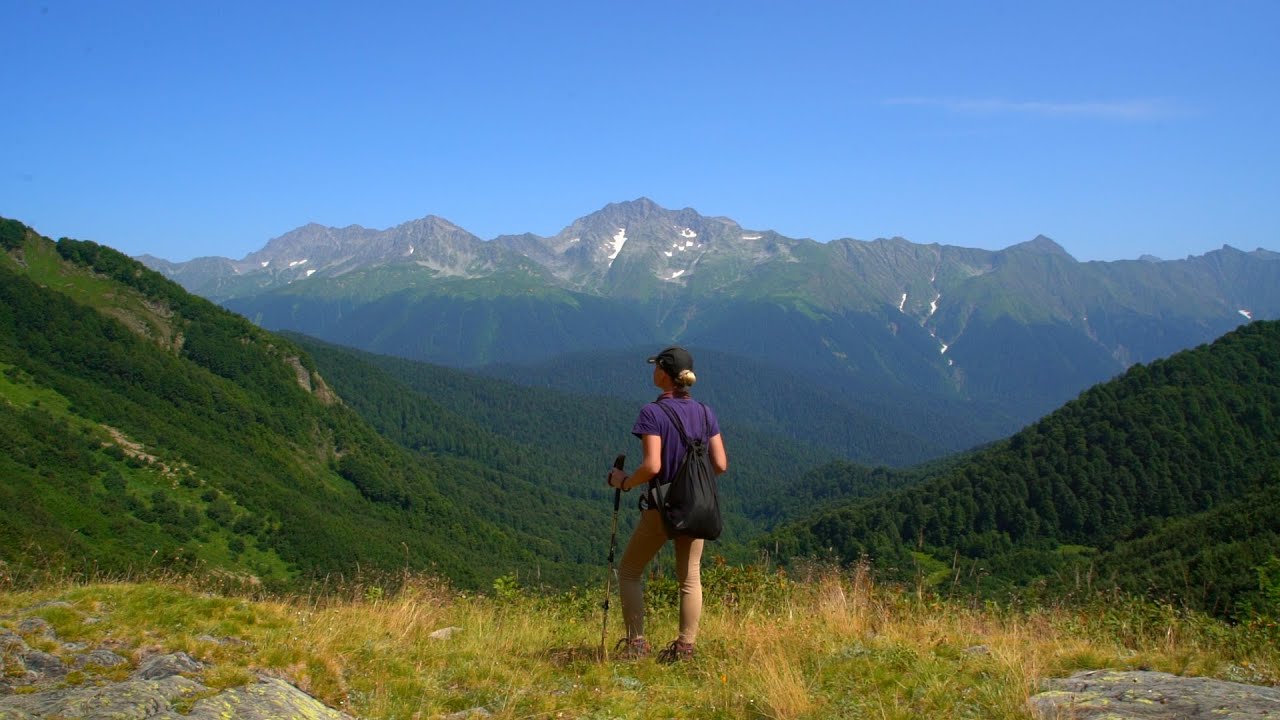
649 466
719 459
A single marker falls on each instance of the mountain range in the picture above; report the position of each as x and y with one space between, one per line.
952 346
143 427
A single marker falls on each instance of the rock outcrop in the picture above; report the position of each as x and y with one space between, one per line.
37 684
1144 695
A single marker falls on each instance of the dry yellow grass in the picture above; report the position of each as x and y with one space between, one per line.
832 645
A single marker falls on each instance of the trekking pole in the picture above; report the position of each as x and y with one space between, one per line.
618 462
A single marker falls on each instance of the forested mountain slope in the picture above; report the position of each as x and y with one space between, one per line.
561 439
870 429
146 427
1184 447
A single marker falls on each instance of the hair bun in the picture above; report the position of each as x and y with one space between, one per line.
686 378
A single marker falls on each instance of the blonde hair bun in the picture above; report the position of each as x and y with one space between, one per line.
686 378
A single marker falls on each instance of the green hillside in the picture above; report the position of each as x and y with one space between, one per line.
145 427
870 426
559 439
1177 459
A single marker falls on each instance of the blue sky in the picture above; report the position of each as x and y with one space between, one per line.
183 128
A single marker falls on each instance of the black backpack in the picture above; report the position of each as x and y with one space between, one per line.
689 503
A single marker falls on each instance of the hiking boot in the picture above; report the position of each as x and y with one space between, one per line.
632 649
675 652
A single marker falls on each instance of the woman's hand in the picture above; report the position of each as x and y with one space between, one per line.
617 479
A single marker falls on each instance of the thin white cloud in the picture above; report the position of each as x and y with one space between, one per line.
1112 110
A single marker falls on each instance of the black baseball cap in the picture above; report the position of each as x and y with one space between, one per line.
673 360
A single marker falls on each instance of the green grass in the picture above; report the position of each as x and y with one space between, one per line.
829 644
46 266
20 390
142 473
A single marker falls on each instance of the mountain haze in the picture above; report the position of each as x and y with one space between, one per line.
924 336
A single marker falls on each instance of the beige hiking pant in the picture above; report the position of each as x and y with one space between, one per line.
646 541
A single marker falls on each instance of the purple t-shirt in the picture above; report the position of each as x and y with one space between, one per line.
653 420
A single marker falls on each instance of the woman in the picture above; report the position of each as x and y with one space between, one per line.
663 449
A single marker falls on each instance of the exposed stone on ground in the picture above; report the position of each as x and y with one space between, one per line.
150 692
445 633
221 641
37 626
44 665
52 604
99 658
9 642
122 700
267 699
1143 695
161 666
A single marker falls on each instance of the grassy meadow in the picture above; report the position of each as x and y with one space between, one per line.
819 642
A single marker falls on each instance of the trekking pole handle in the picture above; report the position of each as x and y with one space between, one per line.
618 464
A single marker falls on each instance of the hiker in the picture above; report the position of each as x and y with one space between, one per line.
663 450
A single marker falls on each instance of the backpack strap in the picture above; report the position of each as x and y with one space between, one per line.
652 495
706 422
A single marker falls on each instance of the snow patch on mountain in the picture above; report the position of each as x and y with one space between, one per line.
311 272
752 237
688 233
410 249
933 306
676 274
266 263
1248 315
296 263
619 239
902 303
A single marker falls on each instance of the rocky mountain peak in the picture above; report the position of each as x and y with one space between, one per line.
431 224
633 247
1040 245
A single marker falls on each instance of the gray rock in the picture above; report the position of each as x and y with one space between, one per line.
1142 695
37 626
221 641
43 665
10 681
11 643
99 658
267 699
445 633
161 666
52 604
116 701
15 714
